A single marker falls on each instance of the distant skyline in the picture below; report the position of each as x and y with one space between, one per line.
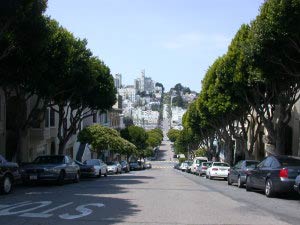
174 41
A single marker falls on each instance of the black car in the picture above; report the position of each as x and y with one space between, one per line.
238 173
9 174
134 166
125 166
85 170
275 174
51 168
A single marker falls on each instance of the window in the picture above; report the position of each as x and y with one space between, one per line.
52 118
47 118
268 162
238 165
275 164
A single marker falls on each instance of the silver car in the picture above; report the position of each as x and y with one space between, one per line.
51 168
114 167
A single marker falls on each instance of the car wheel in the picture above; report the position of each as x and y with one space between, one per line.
6 185
248 185
269 190
99 175
229 181
105 175
239 183
77 178
206 176
61 178
210 177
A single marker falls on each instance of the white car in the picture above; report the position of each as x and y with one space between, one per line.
196 163
218 169
99 166
114 167
184 166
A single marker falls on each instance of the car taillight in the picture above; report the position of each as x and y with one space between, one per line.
204 167
215 169
284 173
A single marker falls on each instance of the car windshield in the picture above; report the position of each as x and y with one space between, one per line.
206 164
251 164
91 162
49 160
221 164
111 163
289 161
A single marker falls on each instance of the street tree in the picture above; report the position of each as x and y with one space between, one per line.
23 35
138 136
103 138
80 84
273 50
173 134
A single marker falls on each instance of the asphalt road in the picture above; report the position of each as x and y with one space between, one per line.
161 195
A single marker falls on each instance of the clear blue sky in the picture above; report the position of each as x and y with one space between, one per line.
175 41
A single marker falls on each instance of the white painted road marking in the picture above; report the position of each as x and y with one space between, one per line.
8 211
45 213
82 209
26 207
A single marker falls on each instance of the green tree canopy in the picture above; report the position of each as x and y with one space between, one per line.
103 138
173 134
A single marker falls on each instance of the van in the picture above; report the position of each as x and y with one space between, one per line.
197 162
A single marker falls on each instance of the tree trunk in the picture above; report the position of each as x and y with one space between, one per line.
61 147
228 151
280 139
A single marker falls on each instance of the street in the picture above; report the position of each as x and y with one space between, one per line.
161 195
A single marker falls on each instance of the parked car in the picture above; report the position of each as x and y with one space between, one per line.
99 166
201 170
185 166
125 166
85 170
217 170
148 165
9 174
134 166
189 166
196 163
274 174
51 168
114 167
177 166
297 184
238 173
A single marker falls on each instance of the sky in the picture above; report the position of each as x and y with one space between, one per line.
174 41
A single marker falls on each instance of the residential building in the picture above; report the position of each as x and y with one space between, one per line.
118 81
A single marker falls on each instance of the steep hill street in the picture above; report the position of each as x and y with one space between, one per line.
161 195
